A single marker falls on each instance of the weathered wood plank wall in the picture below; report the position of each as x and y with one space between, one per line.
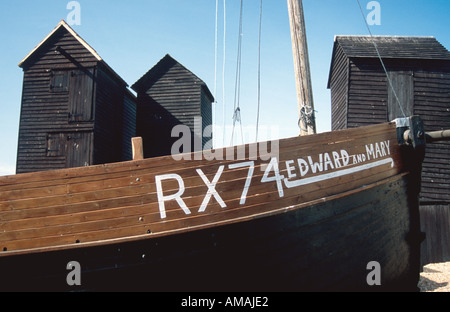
168 95
45 109
76 110
435 222
419 69
338 83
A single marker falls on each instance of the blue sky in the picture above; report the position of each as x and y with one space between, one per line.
132 36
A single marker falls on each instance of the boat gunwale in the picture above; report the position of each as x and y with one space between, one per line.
68 174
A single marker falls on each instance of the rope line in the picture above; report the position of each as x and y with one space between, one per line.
381 60
237 86
215 72
259 71
223 70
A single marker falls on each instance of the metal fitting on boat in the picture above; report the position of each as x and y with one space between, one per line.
410 131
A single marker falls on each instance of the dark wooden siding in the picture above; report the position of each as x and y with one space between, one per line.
81 96
432 103
171 95
45 110
108 119
46 57
39 111
339 90
129 124
178 93
401 94
435 223
423 88
206 114
367 94
78 149
67 93
154 125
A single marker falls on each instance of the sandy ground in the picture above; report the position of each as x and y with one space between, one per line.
435 277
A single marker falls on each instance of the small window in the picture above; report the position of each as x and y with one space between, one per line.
60 81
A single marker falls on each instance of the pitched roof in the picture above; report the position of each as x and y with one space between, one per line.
389 47
393 47
157 71
72 32
64 25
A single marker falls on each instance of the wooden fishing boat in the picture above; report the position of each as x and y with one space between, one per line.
312 215
330 211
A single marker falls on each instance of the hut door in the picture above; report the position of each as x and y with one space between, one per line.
81 95
78 149
403 84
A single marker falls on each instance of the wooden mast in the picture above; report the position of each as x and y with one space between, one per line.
302 72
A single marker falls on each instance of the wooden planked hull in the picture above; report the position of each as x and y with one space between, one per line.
310 217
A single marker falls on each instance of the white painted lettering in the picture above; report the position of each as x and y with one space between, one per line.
290 169
303 166
251 168
345 158
382 147
339 173
316 165
328 161
337 161
377 151
211 189
361 158
176 196
273 165
370 151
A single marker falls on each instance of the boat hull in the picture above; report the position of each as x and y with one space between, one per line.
323 247
353 227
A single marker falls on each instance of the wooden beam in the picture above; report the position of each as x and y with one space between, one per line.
437 136
302 72
138 150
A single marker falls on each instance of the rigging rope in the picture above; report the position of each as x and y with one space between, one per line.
237 86
223 70
381 60
215 73
259 70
